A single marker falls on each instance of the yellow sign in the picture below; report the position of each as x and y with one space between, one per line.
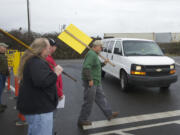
75 38
16 62
14 57
10 57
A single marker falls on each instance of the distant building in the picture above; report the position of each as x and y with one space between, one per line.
163 37
158 37
175 37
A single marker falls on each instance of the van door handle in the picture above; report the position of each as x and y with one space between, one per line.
112 57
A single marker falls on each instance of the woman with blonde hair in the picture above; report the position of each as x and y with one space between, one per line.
37 97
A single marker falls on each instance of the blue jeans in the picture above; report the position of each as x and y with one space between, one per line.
40 124
2 85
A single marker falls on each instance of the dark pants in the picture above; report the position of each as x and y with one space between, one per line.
2 85
91 95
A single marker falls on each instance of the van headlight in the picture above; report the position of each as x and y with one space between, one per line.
172 69
172 66
137 69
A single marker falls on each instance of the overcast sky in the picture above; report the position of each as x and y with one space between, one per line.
93 16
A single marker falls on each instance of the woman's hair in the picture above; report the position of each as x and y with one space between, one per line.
37 46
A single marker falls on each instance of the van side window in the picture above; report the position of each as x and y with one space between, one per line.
117 48
110 47
105 46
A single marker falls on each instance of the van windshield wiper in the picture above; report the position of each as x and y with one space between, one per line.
152 54
134 54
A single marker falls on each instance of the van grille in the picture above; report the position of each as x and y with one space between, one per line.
157 70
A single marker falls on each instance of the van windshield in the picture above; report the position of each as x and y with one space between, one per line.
141 48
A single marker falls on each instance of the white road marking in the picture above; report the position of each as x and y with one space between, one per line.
11 87
177 64
121 131
131 119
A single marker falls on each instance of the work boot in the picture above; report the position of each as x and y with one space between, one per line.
114 115
84 123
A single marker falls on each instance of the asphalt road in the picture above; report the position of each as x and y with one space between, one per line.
143 111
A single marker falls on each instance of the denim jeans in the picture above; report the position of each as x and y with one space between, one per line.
2 85
40 124
55 113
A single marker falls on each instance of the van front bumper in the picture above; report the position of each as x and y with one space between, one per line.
150 81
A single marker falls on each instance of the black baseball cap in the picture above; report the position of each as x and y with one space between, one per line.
52 42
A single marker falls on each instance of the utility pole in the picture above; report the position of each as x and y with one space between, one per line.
62 27
28 14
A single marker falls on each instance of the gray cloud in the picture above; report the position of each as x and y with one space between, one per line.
93 16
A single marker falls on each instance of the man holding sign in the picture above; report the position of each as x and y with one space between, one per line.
91 74
93 92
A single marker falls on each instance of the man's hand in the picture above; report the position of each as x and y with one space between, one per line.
106 61
91 83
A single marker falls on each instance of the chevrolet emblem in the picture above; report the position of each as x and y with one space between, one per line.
158 70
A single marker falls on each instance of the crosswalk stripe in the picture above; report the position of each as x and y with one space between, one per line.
122 131
131 119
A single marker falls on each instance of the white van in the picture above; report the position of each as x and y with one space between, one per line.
138 62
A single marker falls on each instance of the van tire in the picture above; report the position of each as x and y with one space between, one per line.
165 87
103 74
124 81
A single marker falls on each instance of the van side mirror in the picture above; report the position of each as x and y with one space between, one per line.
105 49
163 50
117 51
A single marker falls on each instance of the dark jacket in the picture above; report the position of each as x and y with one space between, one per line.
3 65
37 92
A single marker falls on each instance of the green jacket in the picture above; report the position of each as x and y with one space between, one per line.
3 64
92 68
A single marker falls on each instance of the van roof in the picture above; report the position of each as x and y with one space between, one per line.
138 39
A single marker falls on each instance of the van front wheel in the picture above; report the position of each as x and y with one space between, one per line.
123 81
165 87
